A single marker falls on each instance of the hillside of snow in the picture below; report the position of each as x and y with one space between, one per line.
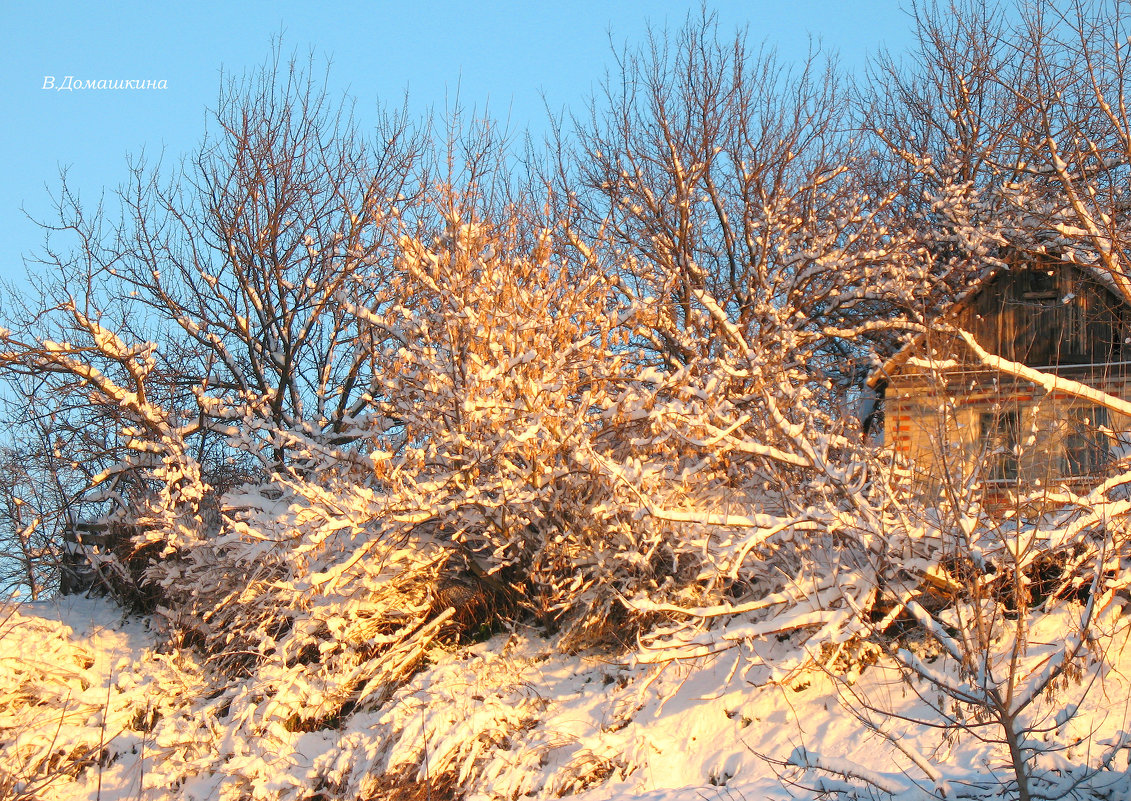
93 706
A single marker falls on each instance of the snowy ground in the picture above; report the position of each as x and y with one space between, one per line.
509 717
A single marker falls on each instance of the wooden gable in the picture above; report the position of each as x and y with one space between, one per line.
1053 314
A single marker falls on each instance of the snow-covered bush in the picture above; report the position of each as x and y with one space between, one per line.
1001 625
510 380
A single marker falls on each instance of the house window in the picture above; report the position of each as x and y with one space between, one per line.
1085 444
1000 436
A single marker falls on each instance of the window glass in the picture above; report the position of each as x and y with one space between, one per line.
1000 433
1085 443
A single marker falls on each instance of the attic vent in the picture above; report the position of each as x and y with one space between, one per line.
1041 287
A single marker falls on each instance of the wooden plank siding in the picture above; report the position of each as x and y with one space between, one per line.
1057 315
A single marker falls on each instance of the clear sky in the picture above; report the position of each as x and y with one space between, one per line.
504 55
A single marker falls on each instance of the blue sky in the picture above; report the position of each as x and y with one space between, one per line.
505 55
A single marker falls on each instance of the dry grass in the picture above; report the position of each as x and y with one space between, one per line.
406 785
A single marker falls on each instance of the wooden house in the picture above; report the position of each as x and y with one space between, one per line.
963 421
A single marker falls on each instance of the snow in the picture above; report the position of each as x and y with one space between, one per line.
509 717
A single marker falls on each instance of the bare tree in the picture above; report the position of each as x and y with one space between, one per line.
284 209
737 175
203 329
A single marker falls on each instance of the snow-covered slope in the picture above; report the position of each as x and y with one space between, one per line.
91 708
